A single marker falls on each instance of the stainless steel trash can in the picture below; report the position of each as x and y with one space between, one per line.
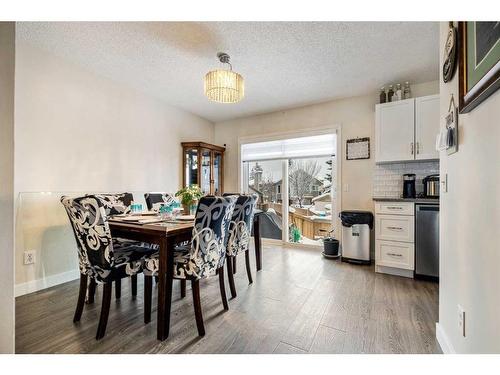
356 226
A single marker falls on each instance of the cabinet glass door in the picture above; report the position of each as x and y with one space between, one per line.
205 172
191 167
217 172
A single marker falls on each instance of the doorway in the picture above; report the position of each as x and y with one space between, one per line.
296 178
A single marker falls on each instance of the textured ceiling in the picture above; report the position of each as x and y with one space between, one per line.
285 64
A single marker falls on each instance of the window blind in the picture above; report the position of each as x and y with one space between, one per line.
317 145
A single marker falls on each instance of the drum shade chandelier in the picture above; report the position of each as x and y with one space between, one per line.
224 86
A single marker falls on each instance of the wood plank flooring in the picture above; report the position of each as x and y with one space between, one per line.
299 303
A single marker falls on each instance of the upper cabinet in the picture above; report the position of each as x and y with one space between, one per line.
426 127
394 131
406 130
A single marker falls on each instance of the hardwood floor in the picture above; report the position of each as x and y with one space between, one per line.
299 303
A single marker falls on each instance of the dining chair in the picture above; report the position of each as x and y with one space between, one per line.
101 259
116 204
155 200
238 242
204 257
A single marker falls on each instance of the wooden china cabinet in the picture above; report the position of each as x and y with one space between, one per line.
203 165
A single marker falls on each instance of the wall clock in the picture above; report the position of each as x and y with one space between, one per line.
450 54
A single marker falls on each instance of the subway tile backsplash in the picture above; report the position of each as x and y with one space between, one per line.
388 178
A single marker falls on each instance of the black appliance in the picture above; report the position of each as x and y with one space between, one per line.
409 185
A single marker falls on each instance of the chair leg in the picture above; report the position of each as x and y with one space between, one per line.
230 276
247 263
118 289
106 302
134 285
148 293
234 264
183 288
81 298
195 285
222 287
91 291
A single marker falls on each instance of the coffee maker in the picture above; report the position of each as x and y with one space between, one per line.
409 185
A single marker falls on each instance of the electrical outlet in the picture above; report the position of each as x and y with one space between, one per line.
461 320
29 257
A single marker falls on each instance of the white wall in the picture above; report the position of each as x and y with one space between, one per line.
355 115
7 67
78 132
469 224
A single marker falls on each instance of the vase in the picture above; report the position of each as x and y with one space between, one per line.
190 209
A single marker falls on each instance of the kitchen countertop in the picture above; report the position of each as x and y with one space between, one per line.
414 200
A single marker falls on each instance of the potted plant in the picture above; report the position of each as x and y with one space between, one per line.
189 197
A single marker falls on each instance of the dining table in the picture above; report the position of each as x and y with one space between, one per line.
165 234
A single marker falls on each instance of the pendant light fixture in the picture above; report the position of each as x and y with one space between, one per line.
224 86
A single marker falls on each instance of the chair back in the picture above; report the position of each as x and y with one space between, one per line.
241 224
87 216
211 227
155 200
115 203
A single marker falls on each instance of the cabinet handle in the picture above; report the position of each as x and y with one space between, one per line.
395 228
394 207
418 147
411 147
394 255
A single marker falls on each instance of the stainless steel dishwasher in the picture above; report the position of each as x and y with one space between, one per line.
427 241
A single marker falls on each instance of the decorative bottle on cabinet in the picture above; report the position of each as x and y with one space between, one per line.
398 94
390 94
383 95
407 91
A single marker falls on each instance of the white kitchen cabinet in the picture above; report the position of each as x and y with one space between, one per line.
426 127
395 238
395 131
394 227
406 130
395 254
395 208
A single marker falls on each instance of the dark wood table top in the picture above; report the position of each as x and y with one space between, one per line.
169 228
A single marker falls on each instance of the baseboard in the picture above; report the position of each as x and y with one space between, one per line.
443 340
394 271
46 282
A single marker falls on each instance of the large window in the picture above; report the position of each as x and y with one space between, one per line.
295 180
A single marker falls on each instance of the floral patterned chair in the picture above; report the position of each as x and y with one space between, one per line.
206 255
240 230
100 258
155 200
116 204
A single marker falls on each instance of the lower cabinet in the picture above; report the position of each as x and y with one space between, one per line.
395 238
395 254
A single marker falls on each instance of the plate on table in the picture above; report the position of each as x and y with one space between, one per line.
143 213
185 217
136 218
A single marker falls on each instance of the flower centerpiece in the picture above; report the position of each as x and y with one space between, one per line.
189 198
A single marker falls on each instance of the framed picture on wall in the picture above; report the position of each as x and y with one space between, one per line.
479 62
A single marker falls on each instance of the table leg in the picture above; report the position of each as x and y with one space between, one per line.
258 244
166 273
